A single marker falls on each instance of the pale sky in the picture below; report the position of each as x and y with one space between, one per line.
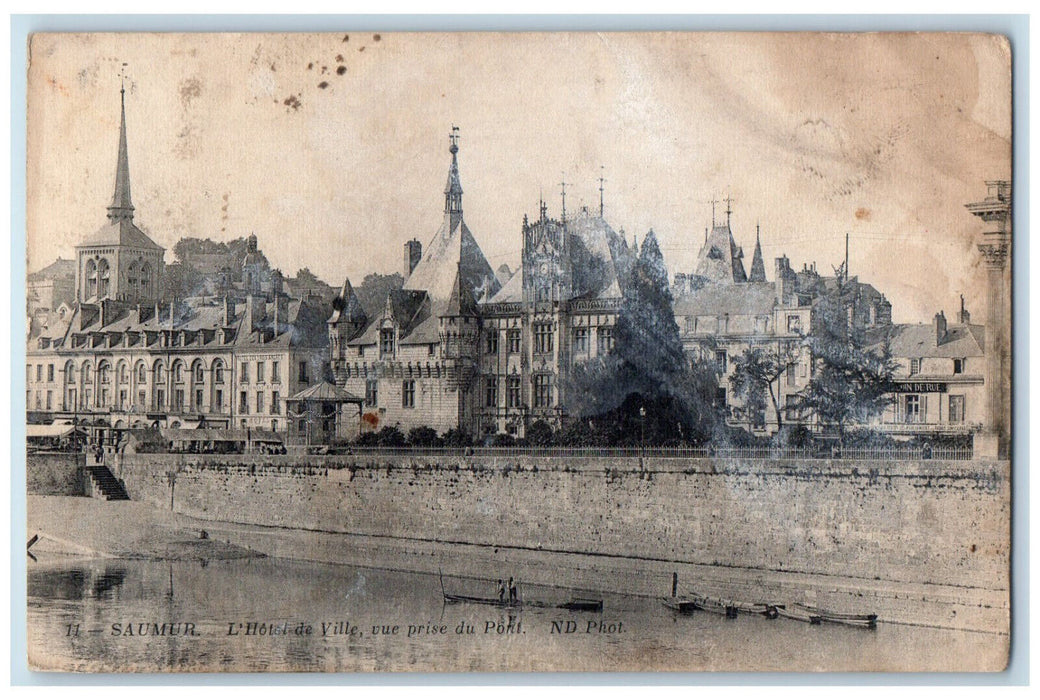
885 137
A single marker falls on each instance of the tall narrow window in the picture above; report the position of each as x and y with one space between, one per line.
386 342
581 340
513 397
491 392
259 371
371 392
408 393
542 390
513 337
303 371
243 374
543 338
492 342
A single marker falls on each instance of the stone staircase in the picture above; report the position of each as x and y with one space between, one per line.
106 484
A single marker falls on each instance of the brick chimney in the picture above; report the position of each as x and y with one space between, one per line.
412 256
940 328
963 316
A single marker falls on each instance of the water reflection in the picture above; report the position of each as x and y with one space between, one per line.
270 614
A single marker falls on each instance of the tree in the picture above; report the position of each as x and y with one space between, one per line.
423 436
853 378
539 433
646 380
755 371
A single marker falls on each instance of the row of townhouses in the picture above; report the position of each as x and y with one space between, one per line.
460 345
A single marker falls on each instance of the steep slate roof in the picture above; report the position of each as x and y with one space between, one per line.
453 247
300 325
720 258
351 309
919 340
122 232
748 299
412 312
758 265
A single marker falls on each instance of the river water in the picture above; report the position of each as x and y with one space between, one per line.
267 614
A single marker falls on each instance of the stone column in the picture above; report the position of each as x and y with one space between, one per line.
994 247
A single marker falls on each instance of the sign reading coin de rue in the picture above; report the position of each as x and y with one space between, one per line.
923 387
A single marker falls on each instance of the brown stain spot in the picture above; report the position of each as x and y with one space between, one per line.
973 547
190 89
323 84
339 58
53 82
863 214
361 49
310 65
341 70
346 37
292 102
376 37
273 69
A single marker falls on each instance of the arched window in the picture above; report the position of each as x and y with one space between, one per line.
218 371
91 277
160 375
178 371
70 372
142 373
87 373
103 373
146 271
104 278
131 275
200 373
122 375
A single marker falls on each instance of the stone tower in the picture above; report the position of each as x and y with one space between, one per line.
119 262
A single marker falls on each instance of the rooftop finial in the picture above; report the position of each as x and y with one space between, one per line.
453 190
601 181
563 198
713 202
728 200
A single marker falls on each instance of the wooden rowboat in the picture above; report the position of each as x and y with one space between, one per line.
714 605
579 604
680 605
797 614
868 620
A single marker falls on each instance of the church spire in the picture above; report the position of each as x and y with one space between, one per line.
121 207
758 266
453 190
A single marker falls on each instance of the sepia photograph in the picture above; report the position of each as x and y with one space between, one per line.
517 352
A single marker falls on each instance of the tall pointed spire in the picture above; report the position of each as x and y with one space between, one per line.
758 265
121 207
453 190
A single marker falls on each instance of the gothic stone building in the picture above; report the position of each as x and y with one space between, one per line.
459 348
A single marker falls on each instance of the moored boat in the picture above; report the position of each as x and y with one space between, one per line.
868 620
680 605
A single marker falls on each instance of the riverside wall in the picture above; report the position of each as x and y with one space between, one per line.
57 474
930 522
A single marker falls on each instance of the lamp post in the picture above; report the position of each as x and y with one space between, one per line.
642 435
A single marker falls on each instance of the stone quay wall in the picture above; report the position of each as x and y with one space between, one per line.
928 522
57 474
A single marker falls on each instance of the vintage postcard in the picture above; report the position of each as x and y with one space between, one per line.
518 352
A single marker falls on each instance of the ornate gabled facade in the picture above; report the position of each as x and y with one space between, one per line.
465 347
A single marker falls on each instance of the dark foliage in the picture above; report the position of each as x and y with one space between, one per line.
853 379
539 433
423 436
456 438
645 386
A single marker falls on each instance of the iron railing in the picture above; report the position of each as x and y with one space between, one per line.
878 453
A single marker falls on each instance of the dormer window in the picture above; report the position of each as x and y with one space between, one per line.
386 342
958 365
